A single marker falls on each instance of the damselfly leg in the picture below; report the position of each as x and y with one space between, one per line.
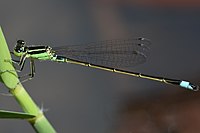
21 64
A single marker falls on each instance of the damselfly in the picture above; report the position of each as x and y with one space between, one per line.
107 55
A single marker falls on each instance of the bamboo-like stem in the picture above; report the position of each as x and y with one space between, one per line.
9 77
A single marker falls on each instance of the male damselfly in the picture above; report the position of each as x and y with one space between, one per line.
107 55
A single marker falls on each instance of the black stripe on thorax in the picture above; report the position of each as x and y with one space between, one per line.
37 52
37 48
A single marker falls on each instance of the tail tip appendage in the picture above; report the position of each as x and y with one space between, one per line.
188 85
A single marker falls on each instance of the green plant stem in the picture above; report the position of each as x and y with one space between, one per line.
9 77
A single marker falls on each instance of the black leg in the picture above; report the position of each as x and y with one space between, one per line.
15 61
22 62
32 65
30 75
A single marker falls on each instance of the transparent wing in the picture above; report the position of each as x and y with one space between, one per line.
110 53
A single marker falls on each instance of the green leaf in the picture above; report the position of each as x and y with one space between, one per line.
15 115
7 71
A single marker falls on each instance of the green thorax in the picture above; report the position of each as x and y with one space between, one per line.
35 52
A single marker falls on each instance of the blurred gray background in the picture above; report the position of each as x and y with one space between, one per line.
86 100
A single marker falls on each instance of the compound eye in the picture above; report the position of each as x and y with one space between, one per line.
22 42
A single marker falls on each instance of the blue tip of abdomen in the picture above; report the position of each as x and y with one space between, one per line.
188 85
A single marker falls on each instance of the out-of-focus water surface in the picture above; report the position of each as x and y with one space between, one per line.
85 100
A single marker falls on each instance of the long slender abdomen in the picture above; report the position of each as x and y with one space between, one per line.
184 84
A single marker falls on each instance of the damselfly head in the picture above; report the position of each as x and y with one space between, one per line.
19 47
